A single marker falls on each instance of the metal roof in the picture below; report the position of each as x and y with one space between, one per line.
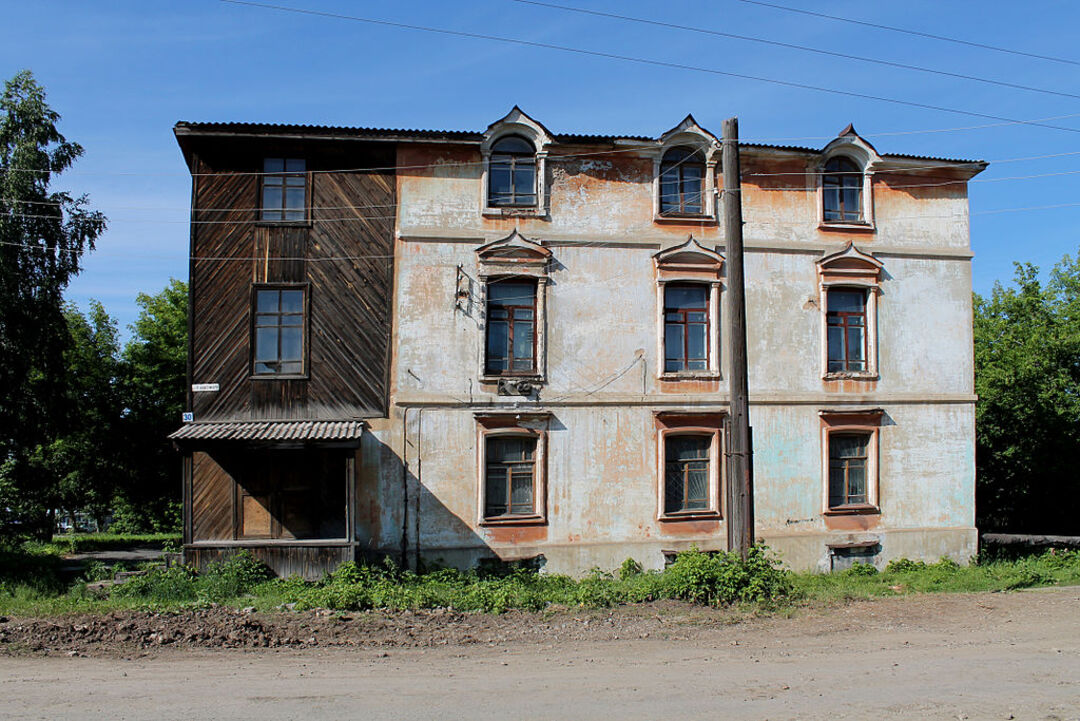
189 128
292 431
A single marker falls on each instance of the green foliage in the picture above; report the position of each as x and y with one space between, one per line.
904 575
44 234
716 578
629 569
232 578
152 385
1027 375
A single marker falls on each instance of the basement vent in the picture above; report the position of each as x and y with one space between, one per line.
844 557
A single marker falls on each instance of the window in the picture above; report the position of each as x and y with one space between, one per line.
293 494
688 289
846 321
512 173
686 473
842 185
682 180
279 331
511 462
850 460
849 288
509 478
686 328
284 190
690 465
511 327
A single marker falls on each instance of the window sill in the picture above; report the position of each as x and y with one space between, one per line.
277 377
854 510
851 376
684 217
705 515
530 377
283 223
514 212
858 227
691 376
514 521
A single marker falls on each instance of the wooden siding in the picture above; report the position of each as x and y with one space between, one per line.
212 493
309 562
344 254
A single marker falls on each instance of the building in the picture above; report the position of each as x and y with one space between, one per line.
453 346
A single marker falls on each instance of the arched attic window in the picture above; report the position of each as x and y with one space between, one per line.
512 173
682 181
842 188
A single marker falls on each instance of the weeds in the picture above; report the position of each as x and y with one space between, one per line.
695 577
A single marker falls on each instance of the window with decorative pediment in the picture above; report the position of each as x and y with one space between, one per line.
514 158
688 311
849 283
684 172
845 189
514 278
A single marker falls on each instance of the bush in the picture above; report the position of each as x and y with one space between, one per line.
717 578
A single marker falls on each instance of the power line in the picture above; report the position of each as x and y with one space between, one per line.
646 61
916 33
803 48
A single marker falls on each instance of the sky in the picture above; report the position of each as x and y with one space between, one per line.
122 72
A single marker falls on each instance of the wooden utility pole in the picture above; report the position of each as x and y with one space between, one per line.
740 481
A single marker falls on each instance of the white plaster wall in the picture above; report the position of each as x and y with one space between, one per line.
601 309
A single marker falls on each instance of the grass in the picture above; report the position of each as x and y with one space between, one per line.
1052 568
30 586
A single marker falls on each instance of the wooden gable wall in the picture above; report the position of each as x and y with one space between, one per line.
345 254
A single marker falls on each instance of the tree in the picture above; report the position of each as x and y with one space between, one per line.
43 235
83 456
155 371
1027 375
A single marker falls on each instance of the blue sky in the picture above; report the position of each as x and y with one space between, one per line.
122 72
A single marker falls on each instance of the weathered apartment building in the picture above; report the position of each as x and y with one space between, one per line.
452 346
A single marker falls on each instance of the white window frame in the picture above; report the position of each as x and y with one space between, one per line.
690 263
850 269
516 122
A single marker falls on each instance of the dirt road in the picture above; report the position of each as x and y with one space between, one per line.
979 656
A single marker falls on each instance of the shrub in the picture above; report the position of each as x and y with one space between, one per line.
716 578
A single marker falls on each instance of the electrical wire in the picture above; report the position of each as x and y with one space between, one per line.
916 33
643 61
802 48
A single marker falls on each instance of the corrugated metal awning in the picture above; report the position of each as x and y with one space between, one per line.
271 431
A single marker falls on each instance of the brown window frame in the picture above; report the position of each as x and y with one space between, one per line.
502 471
847 321
510 371
705 425
284 177
685 502
499 426
843 497
842 424
519 161
305 325
685 324
840 176
690 158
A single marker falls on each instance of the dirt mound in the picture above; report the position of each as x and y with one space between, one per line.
127 632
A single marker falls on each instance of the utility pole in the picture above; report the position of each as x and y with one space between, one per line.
740 481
